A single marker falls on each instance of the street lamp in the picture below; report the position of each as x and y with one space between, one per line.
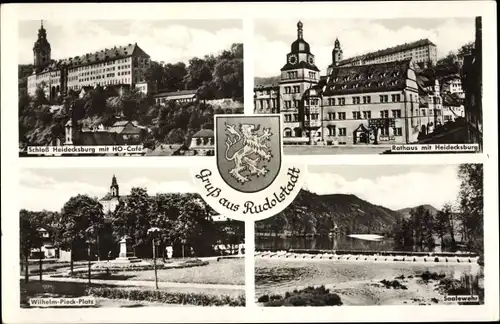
153 232
89 241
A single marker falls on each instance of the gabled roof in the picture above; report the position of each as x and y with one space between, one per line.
204 133
390 76
387 51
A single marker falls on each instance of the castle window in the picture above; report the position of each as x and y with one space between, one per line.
367 99
356 100
384 114
342 132
398 131
331 116
331 130
342 115
331 101
356 115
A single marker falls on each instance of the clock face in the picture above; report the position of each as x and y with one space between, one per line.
311 60
292 59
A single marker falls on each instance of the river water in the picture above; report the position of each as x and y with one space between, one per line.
328 243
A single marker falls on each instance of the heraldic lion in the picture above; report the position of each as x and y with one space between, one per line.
254 150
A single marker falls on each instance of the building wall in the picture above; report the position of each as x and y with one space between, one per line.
454 86
125 71
266 100
451 113
427 53
109 205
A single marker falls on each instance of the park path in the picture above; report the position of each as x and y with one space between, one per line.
143 283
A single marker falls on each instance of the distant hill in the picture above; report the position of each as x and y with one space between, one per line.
265 81
310 213
405 212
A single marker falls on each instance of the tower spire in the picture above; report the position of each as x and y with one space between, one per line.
300 34
41 24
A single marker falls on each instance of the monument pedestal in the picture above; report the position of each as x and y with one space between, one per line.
125 256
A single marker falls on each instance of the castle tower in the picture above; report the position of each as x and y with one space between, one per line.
41 49
336 53
114 188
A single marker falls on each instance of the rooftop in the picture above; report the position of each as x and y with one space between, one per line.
388 76
103 55
176 93
204 133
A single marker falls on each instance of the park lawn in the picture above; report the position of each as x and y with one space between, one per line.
227 272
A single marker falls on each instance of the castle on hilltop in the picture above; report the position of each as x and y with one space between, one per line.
121 67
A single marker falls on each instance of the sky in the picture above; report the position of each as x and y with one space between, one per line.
170 41
391 186
357 36
50 189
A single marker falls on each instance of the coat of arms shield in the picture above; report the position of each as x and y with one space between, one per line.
248 150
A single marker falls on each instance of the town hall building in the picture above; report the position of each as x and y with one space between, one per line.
355 104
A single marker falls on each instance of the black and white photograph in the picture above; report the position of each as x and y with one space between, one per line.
376 235
125 238
349 86
151 85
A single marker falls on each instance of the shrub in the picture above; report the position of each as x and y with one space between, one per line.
163 296
427 275
263 299
310 296
393 284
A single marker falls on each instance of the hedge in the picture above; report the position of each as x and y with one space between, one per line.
167 297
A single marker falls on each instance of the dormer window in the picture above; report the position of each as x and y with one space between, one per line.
370 75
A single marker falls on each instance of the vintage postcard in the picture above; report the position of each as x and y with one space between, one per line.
249 162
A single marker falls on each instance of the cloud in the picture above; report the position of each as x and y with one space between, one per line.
41 192
273 39
172 42
394 191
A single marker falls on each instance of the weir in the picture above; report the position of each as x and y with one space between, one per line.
370 256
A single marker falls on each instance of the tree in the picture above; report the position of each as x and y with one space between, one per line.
443 223
95 102
466 49
132 218
198 71
81 216
174 75
471 204
40 98
448 60
29 237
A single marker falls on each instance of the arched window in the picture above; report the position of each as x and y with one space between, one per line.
287 132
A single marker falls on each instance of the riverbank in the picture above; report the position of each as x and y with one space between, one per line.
361 283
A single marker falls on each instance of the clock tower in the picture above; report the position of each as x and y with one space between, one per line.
41 49
297 75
